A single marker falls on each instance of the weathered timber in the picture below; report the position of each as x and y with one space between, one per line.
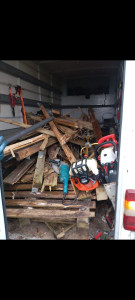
49 204
45 195
23 144
47 214
40 130
56 220
50 180
83 225
56 112
50 177
18 186
15 175
39 170
65 147
95 124
67 130
52 151
86 195
59 230
28 151
27 178
28 186
44 144
101 193
75 123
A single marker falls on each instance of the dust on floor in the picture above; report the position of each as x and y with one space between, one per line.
40 231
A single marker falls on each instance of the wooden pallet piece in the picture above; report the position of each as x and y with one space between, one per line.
15 175
47 214
83 225
58 229
50 204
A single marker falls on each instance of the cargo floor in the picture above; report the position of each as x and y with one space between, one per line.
32 230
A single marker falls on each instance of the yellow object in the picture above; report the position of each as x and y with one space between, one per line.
94 144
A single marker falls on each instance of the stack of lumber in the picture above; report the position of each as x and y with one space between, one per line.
32 188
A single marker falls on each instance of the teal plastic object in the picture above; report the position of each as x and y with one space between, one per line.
2 147
64 176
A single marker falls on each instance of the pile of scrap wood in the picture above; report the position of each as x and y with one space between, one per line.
32 187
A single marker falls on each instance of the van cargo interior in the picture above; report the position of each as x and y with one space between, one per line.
60 178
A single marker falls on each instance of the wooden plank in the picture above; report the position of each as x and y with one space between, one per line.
39 170
95 124
53 151
45 195
67 130
18 186
50 177
28 151
55 220
86 195
41 130
59 230
83 225
56 112
47 213
22 144
44 144
66 122
101 193
75 123
15 175
23 187
65 147
50 181
27 178
49 204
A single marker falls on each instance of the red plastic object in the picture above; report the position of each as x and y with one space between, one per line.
84 187
97 236
107 138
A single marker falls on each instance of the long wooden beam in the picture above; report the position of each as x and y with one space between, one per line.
47 213
65 147
54 204
40 130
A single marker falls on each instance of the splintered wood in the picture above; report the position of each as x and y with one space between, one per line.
32 187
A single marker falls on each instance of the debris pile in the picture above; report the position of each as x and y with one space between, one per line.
33 169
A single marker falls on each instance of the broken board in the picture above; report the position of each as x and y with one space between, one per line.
16 174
